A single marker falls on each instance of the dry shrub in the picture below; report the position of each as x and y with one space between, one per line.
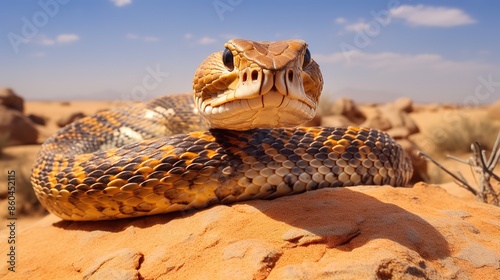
458 134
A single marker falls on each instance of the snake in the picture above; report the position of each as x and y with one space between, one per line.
237 137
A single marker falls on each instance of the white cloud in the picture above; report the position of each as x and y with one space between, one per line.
340 20
359 26
133 36
422 15
205 40
46 41
188 36
67 38
121 3
59 39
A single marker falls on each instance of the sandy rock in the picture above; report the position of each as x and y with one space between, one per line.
258 258
398 118
342 233
404 129
392 118
9 99
333 236
410 124
479 255
121 264
400 132
458 191
348 108
16 128
377 121
64 121
397 263
494 110
403 104
40 120
336 120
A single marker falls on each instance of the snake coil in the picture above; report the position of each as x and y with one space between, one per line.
159 157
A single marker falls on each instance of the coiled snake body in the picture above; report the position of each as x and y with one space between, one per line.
159 157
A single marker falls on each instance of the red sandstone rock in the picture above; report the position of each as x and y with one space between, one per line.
344 233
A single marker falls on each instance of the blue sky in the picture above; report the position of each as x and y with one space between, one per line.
431 51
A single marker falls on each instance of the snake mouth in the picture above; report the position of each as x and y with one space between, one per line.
261 98
270 110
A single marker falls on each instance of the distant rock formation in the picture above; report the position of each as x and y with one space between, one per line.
15 127
9 99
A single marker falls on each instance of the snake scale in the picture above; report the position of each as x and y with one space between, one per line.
236 140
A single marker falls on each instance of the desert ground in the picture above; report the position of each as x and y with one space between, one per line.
431 229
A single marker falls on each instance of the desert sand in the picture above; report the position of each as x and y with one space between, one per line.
427 230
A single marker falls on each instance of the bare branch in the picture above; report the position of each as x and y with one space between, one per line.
494 159
481 165
464 183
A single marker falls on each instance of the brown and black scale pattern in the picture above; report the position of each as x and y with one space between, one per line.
79 175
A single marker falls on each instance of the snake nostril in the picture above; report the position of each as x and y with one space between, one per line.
255 75
244 78
290 75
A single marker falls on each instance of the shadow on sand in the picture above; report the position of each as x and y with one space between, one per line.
318 212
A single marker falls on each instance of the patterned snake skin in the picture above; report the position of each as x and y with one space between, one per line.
159 157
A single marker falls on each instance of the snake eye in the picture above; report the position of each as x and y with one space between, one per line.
227 58
307 58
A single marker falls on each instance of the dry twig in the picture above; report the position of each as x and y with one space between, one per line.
481 166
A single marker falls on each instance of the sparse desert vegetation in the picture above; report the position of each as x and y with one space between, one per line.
457 133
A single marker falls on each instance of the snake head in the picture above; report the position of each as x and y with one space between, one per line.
258 84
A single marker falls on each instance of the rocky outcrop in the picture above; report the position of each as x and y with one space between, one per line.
9 99
344 233
16 128
40 120
393 118
349 109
